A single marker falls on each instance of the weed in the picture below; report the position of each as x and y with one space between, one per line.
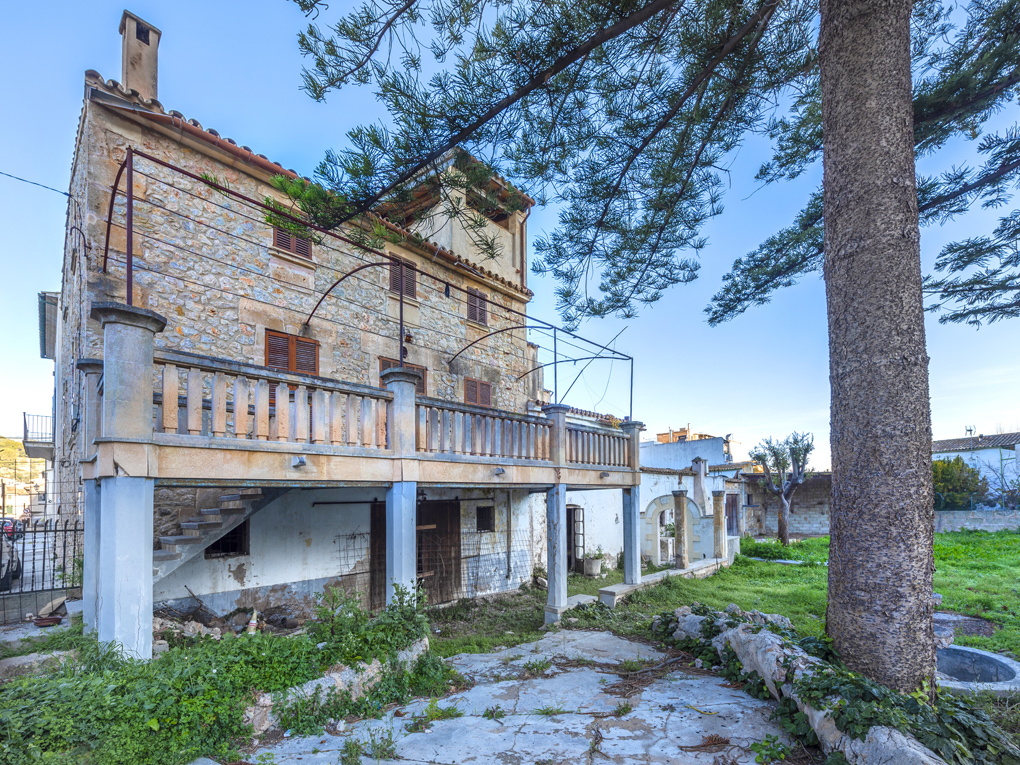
430 714
632 665
381 746
494 713
351 752
623 708
770 750
550 711
537 667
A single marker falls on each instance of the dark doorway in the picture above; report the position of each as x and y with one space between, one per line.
377 557
575 538
438 546
732 519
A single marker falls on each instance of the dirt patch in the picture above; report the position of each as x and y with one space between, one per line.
970 626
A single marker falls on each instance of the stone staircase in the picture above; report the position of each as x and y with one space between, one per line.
200 531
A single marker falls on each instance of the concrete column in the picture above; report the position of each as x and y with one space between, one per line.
401 423
556 538
558 438
401 530
681 524
124 606
92 370
632 535
90 555
719 523
633 429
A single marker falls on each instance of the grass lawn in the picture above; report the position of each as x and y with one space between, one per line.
977 572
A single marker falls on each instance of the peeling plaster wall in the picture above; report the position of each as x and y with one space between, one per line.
295 549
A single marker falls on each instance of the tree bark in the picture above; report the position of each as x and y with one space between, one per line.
783 524
882 517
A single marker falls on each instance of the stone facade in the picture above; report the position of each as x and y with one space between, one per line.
206 262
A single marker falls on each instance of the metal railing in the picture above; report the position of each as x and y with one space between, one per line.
38 427
38 561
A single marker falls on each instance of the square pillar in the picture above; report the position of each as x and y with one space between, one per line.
92 520
632 535
556 537
681 523
401 530
124 608
719 523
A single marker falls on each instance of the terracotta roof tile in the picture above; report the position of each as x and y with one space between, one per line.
994 441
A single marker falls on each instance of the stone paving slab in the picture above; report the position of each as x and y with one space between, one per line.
673 711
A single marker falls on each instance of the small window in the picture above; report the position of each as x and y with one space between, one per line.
477 306
234 542
421 387
290 353
477 392
288 242
403 270
486 520
141 33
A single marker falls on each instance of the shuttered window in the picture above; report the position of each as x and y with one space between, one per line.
477 392
290 353
288 242
477 306
421 387
410 276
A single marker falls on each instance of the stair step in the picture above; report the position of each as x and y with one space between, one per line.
212 514
200 524
252 493
237 505
158 555
237 509
230 498
180 540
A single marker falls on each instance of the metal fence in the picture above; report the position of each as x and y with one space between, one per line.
38 427
39 561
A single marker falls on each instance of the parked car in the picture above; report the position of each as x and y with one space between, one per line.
10 562
13 530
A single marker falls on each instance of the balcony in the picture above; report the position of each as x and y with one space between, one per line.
217 422
38 436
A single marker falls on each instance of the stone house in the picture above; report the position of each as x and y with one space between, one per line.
255 409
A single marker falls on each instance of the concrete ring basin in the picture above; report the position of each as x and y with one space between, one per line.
969 670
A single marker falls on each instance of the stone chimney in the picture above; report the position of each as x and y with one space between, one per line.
140 45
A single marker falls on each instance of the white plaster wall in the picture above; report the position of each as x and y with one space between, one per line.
290 541
678 456
987 461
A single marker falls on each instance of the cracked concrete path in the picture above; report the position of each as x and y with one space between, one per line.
579 724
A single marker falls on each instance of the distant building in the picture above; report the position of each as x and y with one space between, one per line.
995 456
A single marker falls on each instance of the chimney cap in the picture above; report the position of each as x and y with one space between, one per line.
138 20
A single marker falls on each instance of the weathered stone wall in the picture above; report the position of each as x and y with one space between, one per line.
809 511
206 262
983 520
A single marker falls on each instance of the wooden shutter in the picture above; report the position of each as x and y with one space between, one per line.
410 287
476 308
278 350
306 356
477 392
299 245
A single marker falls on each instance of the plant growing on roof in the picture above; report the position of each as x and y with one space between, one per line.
785 465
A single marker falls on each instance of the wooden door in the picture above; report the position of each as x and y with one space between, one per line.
438 548
732 515
377 557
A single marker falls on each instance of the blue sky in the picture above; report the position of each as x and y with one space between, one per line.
235 67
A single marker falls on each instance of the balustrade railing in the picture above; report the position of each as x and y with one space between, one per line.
204 396
445 427
595 446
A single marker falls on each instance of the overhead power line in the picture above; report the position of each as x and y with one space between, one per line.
40 185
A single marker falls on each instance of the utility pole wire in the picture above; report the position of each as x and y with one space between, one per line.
40 185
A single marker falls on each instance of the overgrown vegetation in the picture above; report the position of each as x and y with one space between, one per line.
101 709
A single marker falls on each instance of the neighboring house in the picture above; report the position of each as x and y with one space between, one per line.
681 451
238 442
995 456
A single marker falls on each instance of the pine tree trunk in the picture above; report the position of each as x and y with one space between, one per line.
882 517
784 522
